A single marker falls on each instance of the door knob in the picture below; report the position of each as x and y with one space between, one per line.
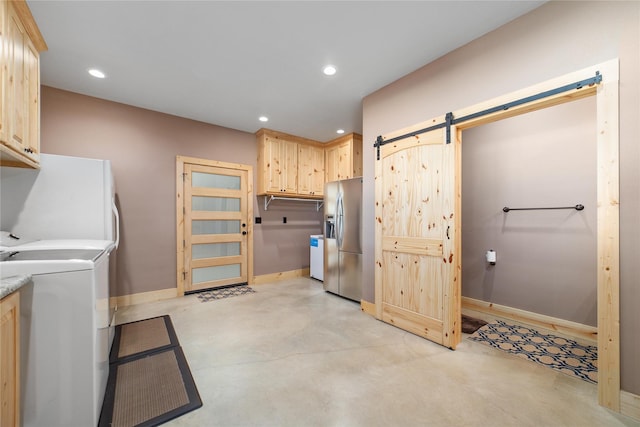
244 233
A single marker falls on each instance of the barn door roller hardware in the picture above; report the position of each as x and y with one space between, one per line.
450 120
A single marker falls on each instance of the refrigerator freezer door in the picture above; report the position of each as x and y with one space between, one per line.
330 276
350 215
351 276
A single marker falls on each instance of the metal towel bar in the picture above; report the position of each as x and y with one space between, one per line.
576 207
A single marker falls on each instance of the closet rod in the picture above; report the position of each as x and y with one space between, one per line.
576 207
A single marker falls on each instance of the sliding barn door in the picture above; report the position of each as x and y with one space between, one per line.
417 227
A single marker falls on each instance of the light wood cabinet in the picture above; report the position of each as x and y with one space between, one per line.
279 163
292 166
20 104
10 360
289 165
343 157
310 170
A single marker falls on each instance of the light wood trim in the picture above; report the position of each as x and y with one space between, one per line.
368 308
10 354
630 404
608 238
201 239
412 245
207 215
24 13
143 297
11 158
344 138
180 237
275 277
288 137
214 262
553 324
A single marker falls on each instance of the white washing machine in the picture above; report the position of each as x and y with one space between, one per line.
65 331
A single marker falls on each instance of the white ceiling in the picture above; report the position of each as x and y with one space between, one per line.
228 62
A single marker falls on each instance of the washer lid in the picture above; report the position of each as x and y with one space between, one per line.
51 255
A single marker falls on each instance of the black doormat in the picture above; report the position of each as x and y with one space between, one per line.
471 324
149 379
225 292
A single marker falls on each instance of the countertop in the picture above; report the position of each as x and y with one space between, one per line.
12 284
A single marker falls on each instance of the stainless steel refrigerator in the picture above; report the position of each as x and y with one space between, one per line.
343 238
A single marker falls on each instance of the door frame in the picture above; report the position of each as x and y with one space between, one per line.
180 237
608 201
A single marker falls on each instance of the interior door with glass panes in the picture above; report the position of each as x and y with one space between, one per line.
215 227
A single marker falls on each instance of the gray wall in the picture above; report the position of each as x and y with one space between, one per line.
142 146
553 40
546 259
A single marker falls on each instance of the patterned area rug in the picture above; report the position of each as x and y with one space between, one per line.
561 354
221 293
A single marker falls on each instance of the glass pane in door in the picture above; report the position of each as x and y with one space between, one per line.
221 226
210 274
213 250
212 180
215 204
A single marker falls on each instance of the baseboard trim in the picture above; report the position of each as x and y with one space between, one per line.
564 327
274 277
630 404
143 297
368 307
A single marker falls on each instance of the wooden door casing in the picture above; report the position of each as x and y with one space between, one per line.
190 215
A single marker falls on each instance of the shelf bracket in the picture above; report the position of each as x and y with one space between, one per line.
271 198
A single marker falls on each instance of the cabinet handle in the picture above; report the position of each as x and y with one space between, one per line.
244 233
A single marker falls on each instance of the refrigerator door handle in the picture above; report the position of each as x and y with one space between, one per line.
339 220
117 216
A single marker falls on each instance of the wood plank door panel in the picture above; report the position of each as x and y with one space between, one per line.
416 235
215 227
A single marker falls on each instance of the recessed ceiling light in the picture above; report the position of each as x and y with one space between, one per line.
340 131
97 73
263 118
329 70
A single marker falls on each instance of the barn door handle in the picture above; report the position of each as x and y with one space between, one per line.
448 227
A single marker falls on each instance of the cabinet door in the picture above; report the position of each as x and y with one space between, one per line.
310 170
3 70
289 176
345 163
15 101
339 164
331 164
10 360
31 145
281 166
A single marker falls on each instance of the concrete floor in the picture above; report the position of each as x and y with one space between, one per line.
293 355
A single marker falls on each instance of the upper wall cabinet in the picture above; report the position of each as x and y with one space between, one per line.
343 157
310 170
292 166
21 44
289 165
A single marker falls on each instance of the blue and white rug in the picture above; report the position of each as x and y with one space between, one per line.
561 354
